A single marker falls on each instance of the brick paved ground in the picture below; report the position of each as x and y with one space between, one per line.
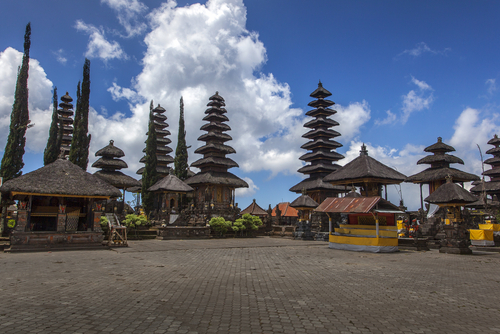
260 285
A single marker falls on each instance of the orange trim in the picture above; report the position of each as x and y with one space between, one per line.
14 193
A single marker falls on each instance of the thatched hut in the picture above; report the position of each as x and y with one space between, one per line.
59 205
170 190
255 210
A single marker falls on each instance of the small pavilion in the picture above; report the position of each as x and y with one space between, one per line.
439 169
59 206
452 197
367 173
255 210
170 190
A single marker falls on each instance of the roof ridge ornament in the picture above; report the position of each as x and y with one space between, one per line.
363 151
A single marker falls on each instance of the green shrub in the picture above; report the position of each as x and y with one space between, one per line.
249 222
11 223
220 225
134 221
104 221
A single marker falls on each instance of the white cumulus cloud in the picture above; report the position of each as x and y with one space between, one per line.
99 46
421 48
130 15
416 100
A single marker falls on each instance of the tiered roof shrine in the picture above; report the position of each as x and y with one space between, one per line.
65 114
321 160
491 187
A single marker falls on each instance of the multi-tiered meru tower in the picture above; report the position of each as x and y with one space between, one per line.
162 150
65 114
321 160
491 187
214 187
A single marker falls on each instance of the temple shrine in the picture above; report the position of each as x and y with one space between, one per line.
65 114
491 187
439 169
321 160
214 187
162 150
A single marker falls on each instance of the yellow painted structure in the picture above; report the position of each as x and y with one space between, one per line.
365 235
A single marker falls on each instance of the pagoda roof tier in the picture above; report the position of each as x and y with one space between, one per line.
320 92
67 138
216 110
321 122
318 168
161 149
320 103
304 202
164 141
162 132
160 124
494 172
321 112
443 158
489 187
365 169
68 128
109 163
215 147
216 103
118 179
334 156
160 117
66 120
162 170
321 132
493 161
215 126
216 97
170 183
493 151
311 184
440 173
60 178
160 158
66 98
450 194
439 147
110 151
159 110
321 142
216 118
254 209
495 141
223 137
219 178
65 112
225 162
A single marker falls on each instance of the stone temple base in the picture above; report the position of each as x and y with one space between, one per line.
51 241
455 250
183 232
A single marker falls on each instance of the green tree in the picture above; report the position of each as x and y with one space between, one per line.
150 175
220 225
12 161
181 153
79 150
249 222
54 142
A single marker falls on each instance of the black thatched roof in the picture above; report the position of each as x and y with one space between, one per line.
110 163
304 201
435 174
311 184
364 168
110 151
446 158
318 168
450 193
495 141
320 92
254 209
118 179
60 178
439 147
222 178
488 187
171 183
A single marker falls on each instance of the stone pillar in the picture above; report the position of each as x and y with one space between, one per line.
22 220
97 221
61 222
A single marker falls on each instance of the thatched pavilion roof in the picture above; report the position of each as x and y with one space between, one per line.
118 179
304 201
315 184
364 169
110 151
171 183
60 178
450 193
440 173
221 178
254 209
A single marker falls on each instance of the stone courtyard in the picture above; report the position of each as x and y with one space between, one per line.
260 285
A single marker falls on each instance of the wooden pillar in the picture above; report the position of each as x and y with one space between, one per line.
376 224
97 221
385 187
421 197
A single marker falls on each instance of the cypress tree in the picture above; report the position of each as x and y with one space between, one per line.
181 153
53 144
150 175
12 161
79 151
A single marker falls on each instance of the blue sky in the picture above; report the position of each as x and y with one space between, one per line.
402 73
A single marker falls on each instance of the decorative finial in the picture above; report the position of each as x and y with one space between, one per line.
440 140
67 93
217 93
254 200
449 178
496 135
112 142
304 192
353 188
62 155
158 105
363 151
320 84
